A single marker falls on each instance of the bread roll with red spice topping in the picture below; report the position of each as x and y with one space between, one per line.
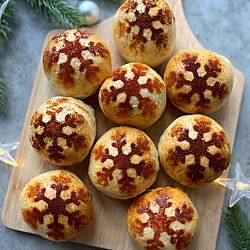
63 130
133 95
76 62
198 81
194 150
123 163
144 31
164 218
56 205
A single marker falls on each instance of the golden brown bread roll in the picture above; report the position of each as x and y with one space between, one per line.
194 150
63 130
123 163
164 218
76 62
133 95
198 81
144 31
56 205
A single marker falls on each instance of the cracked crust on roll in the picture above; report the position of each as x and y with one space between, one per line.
123 163
134 95
163 218
76 62
198 81
63 130
144 31
194 150
56 205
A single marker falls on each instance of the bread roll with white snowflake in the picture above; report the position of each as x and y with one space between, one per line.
63 130
76 62
56 205
194 150
144 31
133 95
123 163
198 81
164 218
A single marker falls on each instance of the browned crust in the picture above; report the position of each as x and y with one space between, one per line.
122 162
198 147
132 88
73 49
57 206
145 21
55 102
158 221
54 130
199 84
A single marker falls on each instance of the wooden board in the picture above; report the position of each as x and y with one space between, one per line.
110 229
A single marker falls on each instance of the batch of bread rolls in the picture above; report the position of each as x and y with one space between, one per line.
124 162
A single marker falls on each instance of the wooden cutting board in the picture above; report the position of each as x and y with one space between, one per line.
110 229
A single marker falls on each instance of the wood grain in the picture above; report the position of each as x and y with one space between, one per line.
110 229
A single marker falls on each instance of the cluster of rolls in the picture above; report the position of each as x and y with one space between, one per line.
193 150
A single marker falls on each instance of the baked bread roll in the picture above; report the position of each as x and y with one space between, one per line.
144 31
56 205
164 218
133 95
198 81
63 130
76 62
123 163
194 150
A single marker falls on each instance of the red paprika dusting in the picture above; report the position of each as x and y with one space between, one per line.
172 79
160 222
131 88
56 102
33 217
57 207
123 162
145 21
74 49
199 83
120 29
54 130
176 130
61 178
199 148
33 191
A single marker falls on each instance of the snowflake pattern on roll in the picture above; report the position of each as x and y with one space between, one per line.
133 95
123 161
53 130
55 204
194 150
62 130
162 218
198 149
133 85
71 49
199 84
